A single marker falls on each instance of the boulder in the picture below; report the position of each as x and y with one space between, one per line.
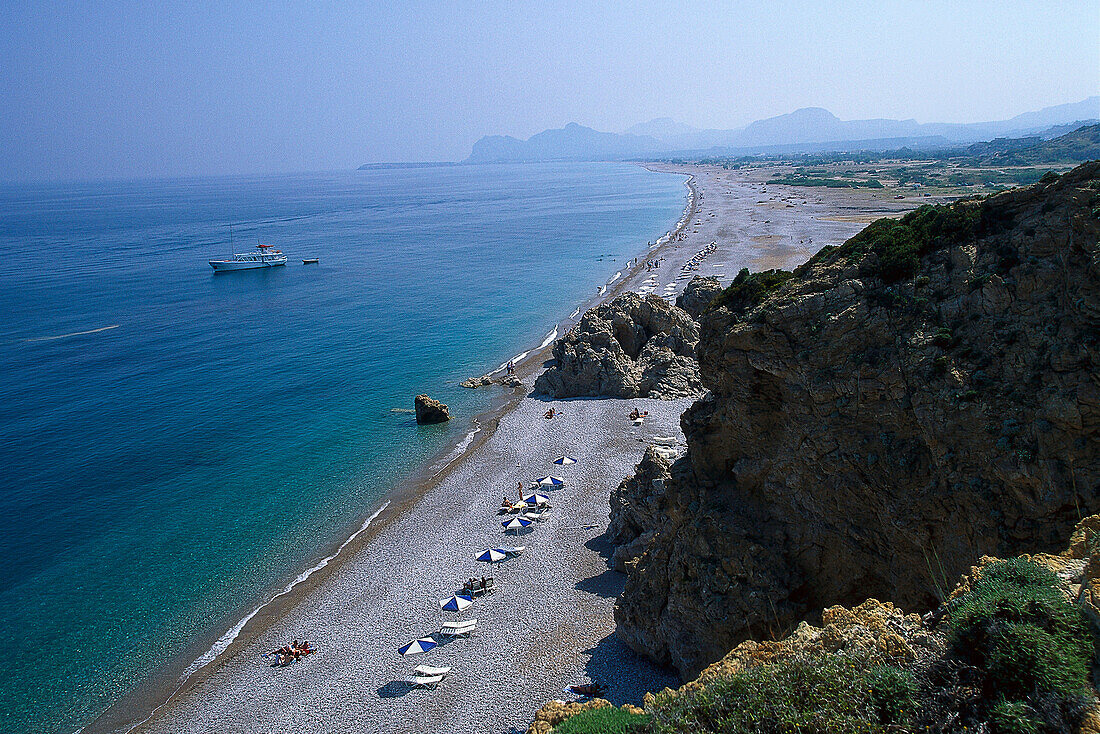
430 411
698 294
631 347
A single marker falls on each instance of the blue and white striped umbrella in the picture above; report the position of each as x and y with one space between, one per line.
536 499
565 460
492 556
550 481
516 523
456 603
418 646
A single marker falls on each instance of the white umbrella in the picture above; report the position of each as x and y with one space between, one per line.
536 499
550 481
456 603
565 460
418 646
492 556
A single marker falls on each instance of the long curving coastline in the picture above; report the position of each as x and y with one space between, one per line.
565 569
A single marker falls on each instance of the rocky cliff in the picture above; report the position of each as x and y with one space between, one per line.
631 347
895 408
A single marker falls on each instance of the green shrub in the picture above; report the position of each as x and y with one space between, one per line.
823 694
749 289
1026 642
899 244
603 721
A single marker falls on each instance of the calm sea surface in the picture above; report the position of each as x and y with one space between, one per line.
176 445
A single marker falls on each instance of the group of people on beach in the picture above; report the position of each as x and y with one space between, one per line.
551 413
637 415
287 654
473 584
651 264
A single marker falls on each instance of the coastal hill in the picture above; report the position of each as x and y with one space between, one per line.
877 420
807 129
1075 146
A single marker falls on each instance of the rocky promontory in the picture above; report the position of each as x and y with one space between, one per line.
631 347
897 407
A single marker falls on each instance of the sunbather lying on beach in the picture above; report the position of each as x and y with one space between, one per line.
287 654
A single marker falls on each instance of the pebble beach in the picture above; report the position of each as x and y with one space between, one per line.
550 623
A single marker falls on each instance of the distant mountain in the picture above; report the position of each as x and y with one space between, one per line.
804 130
572 142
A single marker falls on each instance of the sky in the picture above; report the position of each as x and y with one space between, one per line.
149 89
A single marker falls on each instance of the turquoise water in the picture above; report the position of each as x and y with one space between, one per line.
163 475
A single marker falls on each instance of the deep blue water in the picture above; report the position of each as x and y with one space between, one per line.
154 474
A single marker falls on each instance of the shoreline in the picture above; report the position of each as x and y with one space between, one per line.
174 680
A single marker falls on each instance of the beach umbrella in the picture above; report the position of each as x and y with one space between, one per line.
536 499
550 481
565 460
418 646
516 523
493 555
456 603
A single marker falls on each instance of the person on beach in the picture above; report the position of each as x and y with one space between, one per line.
551 413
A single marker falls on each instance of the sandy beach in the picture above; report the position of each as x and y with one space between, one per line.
550 622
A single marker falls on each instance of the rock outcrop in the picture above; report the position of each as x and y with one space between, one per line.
630 347
698 294
430 411
926 394
473 383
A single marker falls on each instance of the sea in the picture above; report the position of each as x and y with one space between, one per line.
177 446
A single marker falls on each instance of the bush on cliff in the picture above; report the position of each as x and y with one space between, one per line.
1020 653
899 244
603 721
749 289
821 694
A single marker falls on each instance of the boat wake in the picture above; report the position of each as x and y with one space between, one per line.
75 333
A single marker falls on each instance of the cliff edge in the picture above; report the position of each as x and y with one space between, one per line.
895 408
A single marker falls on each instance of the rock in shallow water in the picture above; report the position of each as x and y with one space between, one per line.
431 411
630 347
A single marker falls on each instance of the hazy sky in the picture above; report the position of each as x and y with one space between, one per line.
91 90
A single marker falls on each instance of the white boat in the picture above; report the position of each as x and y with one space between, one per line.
263 257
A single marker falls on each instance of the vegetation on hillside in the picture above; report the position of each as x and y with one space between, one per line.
1016 660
